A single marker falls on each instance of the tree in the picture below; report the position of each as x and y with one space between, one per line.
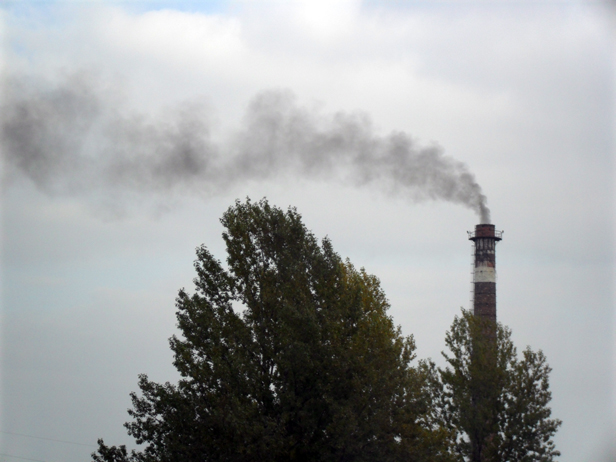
495 404
312 369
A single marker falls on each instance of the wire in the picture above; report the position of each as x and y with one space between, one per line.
48 439
23 458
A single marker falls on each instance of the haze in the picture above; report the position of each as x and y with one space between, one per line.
514 100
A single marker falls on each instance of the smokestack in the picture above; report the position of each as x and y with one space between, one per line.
484 240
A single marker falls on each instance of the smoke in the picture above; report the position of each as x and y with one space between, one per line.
74 136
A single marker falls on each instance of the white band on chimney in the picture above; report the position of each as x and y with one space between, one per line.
484 274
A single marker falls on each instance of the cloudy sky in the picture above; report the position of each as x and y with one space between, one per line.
130 127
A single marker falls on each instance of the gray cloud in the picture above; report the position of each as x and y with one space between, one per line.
75 136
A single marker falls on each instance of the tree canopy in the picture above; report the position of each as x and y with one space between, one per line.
285 354
495 404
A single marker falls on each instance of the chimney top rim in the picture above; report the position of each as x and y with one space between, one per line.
485 231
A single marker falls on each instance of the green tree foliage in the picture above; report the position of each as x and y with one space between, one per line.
286 355
495 404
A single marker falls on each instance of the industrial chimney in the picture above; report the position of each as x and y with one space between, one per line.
484 270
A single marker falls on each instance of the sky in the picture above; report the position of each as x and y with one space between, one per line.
128 128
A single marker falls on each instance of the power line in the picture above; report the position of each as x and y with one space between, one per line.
22 458
47 439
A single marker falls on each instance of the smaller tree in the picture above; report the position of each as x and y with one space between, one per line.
495 404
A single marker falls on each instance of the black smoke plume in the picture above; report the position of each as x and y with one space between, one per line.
73 136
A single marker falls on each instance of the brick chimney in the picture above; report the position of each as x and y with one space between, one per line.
484 240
